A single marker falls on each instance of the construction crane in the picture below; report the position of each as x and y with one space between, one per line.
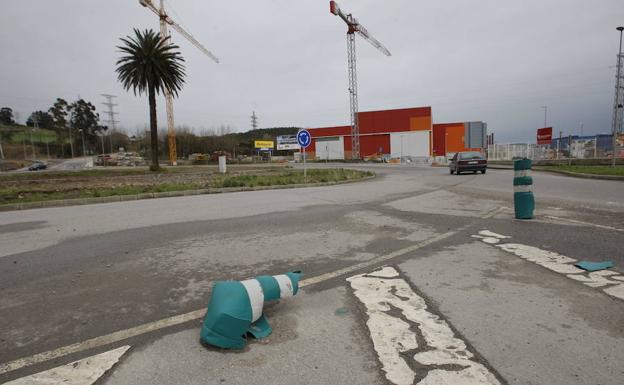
166 21
355 27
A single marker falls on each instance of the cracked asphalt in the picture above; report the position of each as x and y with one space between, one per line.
71 274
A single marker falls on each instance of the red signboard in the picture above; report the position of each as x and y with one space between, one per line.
544 135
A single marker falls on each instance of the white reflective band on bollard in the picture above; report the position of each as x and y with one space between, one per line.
256 297
523 188
285 284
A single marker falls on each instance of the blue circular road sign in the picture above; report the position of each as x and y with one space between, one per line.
304 138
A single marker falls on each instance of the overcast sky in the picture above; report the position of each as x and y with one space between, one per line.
490 60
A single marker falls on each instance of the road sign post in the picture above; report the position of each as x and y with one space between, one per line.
304 139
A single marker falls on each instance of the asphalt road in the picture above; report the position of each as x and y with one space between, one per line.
71 274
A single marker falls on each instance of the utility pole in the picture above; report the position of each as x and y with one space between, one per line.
24 143
71 139
618 108
32 144
110 121
569 150
84 152
254 121
545 115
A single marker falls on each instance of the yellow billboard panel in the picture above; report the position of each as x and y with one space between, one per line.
263 144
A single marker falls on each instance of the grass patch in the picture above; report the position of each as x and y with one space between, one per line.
111 172
36 192
594 170
38 136
17 195
290 177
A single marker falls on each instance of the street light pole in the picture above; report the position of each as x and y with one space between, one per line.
84 152
545 115
617 97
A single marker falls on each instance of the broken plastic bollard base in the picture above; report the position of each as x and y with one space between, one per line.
235 308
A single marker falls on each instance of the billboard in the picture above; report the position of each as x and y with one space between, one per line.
265 144
287 142
475 134
544 135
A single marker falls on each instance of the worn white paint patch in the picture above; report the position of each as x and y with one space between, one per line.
384 272
596 278
403 329
82 372
616 291
548 259
488 233
563 265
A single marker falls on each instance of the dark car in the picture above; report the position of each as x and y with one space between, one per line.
37 166
468 161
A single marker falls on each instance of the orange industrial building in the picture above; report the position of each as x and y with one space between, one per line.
399 133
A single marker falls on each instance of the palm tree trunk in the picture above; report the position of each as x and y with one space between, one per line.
153 129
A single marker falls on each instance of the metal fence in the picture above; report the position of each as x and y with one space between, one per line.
575 147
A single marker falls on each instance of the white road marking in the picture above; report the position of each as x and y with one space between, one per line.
490 240
583 223
598 278
490 237
616 291
413 344
82 372
384 272
198 314
488 233
100 341
607 279
548 259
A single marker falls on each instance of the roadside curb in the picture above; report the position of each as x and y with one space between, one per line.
563 172
166 194
581 175
499 166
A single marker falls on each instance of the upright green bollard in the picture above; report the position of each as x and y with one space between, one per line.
235 308
524 202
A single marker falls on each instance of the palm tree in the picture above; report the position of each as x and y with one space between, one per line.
150 65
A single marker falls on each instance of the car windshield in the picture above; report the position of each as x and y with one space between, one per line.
470 155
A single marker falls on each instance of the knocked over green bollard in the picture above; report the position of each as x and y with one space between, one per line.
524 202
235 308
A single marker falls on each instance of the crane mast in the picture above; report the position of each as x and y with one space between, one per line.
354 27
165 20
